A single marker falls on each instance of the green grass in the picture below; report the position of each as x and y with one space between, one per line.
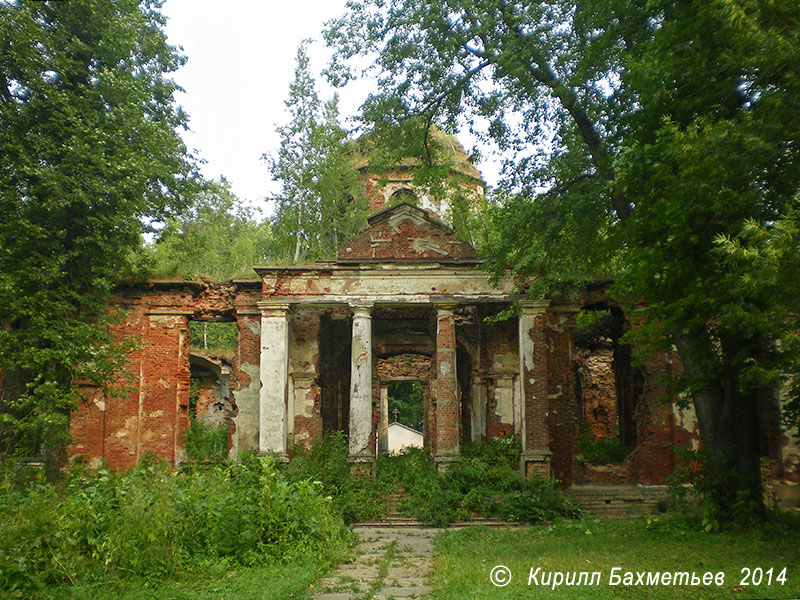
465 558
294 580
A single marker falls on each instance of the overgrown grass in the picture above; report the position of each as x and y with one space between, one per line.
205 443
215 580
156 524
465 558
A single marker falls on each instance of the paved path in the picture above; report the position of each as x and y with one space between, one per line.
388 563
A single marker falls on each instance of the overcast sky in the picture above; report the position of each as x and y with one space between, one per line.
241 59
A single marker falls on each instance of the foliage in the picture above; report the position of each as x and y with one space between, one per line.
653 142
90 150
212 337
600 451
206 443
326 462
216 237
319 204
407 398
153 522
708 505
603 451
484 481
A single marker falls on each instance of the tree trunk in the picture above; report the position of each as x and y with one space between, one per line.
49 445
729 426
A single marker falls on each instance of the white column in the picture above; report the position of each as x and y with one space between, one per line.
361 381
274 366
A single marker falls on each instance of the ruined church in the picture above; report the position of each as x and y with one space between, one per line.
319 344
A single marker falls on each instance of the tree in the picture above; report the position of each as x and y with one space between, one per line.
407 398
319 204
89 151
217 237
665 134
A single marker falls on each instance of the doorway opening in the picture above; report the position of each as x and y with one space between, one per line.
212 346
403 416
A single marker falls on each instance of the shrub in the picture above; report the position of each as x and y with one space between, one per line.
152 521
484 480
205 443
719 494
600 451
327 462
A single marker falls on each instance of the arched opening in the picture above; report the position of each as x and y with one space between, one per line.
211 409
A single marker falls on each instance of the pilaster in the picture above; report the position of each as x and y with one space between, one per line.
533 389
273 375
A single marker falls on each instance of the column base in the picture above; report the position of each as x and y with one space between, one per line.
278 457
362 465
535 462
443 461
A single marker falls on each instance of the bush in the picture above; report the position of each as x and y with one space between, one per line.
205 443
602 451
720 496
483 481
152 521
356 498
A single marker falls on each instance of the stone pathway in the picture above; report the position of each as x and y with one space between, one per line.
389 562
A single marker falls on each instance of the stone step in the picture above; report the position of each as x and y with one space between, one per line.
411 522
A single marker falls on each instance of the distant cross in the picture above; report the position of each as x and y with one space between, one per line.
395 411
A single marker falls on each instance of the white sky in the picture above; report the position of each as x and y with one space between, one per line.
241 59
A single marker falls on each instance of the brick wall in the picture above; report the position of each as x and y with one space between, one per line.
561 401
150 414
405 233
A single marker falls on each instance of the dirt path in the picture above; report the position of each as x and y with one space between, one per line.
390 562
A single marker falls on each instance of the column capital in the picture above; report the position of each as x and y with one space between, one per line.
445 307
273 309
534 308
362 309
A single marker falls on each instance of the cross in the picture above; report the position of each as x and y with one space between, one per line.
395 411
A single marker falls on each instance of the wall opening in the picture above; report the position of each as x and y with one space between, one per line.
403 195
212 349
464 380
608 385
406 403
334 381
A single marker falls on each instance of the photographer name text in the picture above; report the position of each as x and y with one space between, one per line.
501 576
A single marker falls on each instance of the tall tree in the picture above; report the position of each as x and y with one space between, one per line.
319 203
666 136
217 237
89 151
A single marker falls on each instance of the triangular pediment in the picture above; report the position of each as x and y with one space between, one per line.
405 233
